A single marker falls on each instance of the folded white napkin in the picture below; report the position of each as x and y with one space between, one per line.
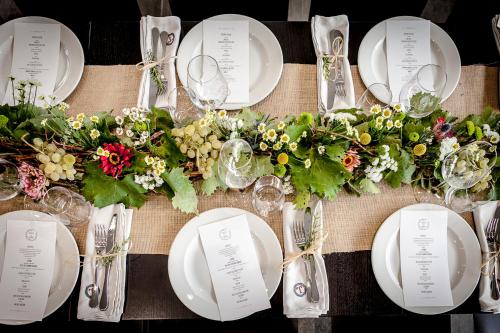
295 303
321 27
482 215
496 30
170 25
118 270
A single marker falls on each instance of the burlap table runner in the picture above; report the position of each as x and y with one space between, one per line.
351 222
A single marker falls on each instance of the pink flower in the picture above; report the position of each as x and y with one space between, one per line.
112 164
351 160
33 181
442 129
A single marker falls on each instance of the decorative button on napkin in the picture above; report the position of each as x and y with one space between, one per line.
27 269
234 268
295 302
424 258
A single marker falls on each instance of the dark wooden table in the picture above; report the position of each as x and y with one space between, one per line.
356 300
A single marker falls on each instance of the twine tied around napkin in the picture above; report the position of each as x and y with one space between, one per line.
330 60
492 256
148 64
117 250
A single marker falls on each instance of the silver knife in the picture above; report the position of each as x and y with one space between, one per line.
330 88
110 243
155 36
313 293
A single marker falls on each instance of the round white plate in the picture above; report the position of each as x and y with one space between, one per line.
71 59
188 269
372 56
464 259
66 262
266 58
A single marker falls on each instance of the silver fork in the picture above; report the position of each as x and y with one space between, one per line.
339 66
491 232
339 82
300 240
100 238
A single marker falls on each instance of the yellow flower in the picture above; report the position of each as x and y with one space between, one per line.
365 139
261 128
386 113
271 135
158 172
398 124
80 117
419 149
222 114
375 109
283 158
94 134
293 146
285 138
389 124
397 107
94 119
455 146
100 151
307 163
379 120
281 125
161 164
277 146
263 146
149 160
379 126
76 125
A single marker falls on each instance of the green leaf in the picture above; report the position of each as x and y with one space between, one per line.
295 131
3 121
263 166
104 190
423 101
336 152
168 151
302 199
248 117
368 186
406 168
160 119
185 197
210 185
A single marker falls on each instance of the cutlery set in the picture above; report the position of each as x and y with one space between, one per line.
165 39
335 84
492 233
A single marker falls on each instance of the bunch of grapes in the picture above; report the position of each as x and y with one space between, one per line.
54 162
198 142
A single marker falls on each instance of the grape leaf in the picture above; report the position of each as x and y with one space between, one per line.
185 197
368 186
406 168
263 166
335 152
210 185
302 199
295 131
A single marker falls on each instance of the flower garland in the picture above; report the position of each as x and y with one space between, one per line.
113 159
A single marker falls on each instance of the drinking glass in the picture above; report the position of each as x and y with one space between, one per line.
183 112
463 169
268 195
10 183
375 93
421 95
236 164
207 82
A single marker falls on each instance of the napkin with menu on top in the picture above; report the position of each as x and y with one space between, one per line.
165 32
117 273
295 303
482 215
322 33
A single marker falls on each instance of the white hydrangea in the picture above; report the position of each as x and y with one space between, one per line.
149 181
287 185
380 164
447 146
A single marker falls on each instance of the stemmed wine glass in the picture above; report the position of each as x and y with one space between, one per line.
236 165
421 95
205 79
10 183
183 112
373 94
463 169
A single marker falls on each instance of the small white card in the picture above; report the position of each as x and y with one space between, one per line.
35 57
408 45
424 258
228 42
27 269
234 267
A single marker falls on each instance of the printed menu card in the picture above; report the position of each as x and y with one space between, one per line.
27 269
424 258
234 267
408 45
228 43
35 57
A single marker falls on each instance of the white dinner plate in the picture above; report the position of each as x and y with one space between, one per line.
66 262
188 269
71 59
464 259
372 56
266 57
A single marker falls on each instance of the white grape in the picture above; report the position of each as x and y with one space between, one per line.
51 147
49 168
56 158
54 176
38 142
183 148
191 153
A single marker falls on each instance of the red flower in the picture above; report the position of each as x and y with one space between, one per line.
116 158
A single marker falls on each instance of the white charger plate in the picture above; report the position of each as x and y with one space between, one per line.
464 259
266 57
66 262
372 56
188 269
71 59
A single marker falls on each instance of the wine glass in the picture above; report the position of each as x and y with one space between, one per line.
10 183
421 95
268 195
183 112
205 79
237 164
463 169
375 93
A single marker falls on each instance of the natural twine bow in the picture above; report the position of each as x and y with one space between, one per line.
117 250
330 60
148 64
487 262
